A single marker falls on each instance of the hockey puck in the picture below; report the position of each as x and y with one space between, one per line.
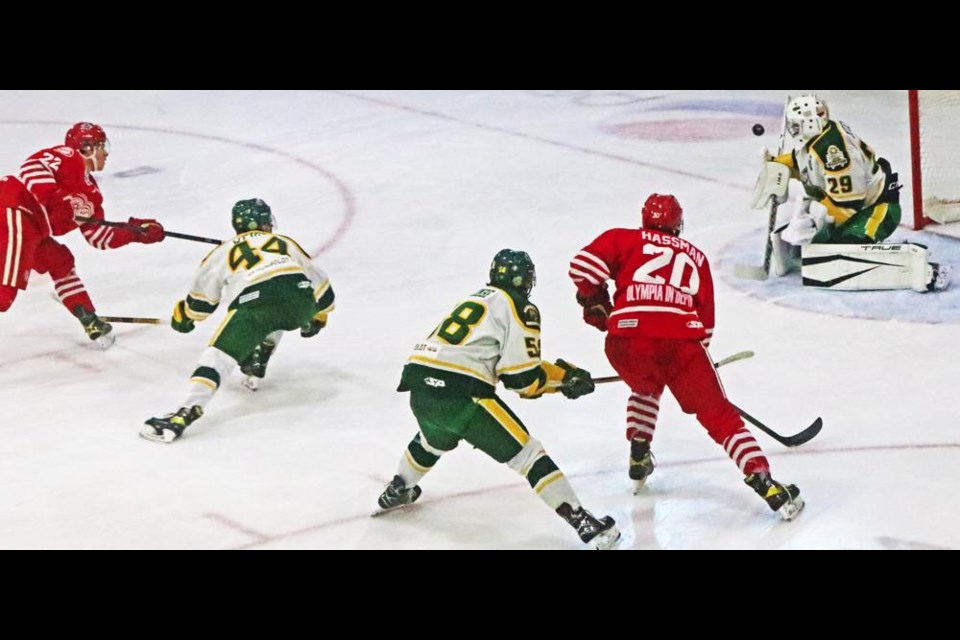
758 129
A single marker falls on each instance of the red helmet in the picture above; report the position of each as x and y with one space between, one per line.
663 213
85 133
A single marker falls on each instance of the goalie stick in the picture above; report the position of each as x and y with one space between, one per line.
762 273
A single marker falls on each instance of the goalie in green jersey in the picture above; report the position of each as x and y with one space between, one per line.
490 336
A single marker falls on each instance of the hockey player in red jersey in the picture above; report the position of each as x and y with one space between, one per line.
21 231
61 182
659 325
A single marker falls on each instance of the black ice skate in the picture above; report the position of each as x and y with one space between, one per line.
171 426
642 462
603 533
783 498
939 277
97 330
397 494
255 366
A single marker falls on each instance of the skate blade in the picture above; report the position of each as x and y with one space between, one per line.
165 436
607 540
638 485
792 509
105 342
251 383
379 512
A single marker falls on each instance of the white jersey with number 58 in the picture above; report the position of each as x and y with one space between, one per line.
484 337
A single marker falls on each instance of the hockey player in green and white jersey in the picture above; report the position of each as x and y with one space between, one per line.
272 287
492 335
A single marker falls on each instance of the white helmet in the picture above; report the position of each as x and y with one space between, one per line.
807 116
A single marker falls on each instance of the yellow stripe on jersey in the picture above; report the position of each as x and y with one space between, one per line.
321 289
838 213
207 257
294 243
413 463
513 308
196 316
276 272
200 296
523 366
547 480
504 419
204 381
449 366
879 213
222 325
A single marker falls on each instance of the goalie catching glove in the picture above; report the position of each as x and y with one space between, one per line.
773 182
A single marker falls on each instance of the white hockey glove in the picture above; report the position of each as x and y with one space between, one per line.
819 215
800 230
773 182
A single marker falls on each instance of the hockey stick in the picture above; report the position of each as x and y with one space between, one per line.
788 441
132 320
742 355
169 234
762 273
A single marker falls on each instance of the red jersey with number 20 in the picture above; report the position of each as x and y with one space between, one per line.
664 288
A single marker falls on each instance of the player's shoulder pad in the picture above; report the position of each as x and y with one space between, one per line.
294 243
530 315
213 251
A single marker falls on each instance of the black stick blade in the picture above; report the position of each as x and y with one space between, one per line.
804 436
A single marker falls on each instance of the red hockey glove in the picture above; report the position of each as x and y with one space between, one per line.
149 230
596 309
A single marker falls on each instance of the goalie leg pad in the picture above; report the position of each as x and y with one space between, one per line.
782 260
864 267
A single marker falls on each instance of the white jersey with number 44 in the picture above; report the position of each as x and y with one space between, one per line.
251 258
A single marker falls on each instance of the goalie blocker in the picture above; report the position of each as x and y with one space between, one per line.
863 267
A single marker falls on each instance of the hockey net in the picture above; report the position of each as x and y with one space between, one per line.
934 148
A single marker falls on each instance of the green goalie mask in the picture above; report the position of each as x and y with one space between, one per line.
513 270
252 215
